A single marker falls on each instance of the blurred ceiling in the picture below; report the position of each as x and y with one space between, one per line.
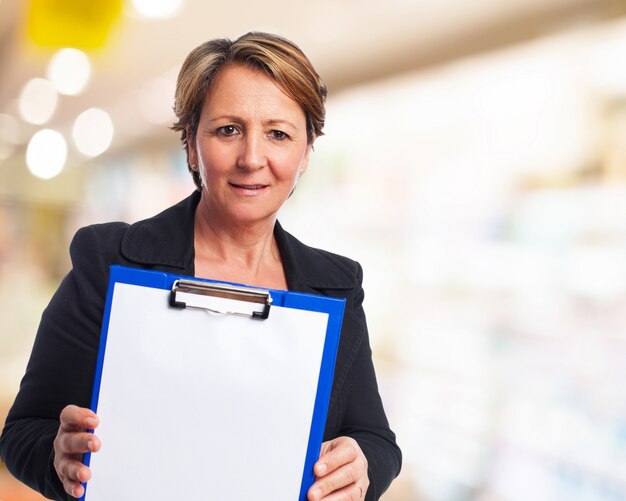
349 41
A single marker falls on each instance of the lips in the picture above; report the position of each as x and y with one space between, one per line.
249 189
249 186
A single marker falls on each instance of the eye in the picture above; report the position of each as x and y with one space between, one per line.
279 135
227 130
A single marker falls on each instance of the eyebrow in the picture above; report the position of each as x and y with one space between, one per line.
272 121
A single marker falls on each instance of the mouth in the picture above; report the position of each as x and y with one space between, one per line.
249 186
249 189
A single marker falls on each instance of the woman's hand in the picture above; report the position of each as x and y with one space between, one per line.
71 442
341 472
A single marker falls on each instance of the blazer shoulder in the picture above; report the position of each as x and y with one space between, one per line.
99 239
318 268
351 268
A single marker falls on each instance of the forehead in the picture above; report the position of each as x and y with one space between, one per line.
245 91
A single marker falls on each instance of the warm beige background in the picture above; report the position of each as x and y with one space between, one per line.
478 149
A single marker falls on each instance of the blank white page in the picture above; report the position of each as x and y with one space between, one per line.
199 406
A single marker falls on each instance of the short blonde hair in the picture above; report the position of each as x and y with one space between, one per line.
279 58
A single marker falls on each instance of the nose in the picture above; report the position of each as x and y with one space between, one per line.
252 155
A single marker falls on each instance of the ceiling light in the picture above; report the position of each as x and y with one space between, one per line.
69 70
93 132
46 154
157 9
38 101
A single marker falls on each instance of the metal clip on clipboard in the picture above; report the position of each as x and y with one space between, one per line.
222 299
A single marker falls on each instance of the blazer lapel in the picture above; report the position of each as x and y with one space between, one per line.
317 272
311 270
165 241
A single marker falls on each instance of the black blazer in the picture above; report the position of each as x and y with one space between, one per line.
62 364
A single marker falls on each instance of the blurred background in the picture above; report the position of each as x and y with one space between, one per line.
474 163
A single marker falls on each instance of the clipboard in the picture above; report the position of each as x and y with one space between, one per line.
210 390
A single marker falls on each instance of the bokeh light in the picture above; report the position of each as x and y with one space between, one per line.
157 9
69 70
93 132
46 154
38 100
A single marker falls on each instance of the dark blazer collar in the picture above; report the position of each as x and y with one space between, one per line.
164 240
311 270
167 241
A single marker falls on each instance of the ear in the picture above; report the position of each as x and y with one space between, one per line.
192 154
304 165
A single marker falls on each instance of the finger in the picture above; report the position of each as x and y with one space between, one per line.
341 451
75 418
78 490
72 473
72 443
327 447
339 479
350 492
74 489
76 471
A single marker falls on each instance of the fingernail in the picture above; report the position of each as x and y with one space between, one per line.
322 468
91 422
90 445
317 493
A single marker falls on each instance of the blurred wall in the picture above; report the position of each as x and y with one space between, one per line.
485 195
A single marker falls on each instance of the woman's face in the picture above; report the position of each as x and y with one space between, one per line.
250 147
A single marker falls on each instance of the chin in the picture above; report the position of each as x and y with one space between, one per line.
251 217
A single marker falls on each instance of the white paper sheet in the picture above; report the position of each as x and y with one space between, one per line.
199 406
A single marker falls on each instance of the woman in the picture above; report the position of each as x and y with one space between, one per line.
248 113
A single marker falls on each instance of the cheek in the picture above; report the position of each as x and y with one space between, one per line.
291 163
213 159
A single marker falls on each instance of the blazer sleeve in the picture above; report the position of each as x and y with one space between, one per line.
60 370
364 418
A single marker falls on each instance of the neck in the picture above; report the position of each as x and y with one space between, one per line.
235 252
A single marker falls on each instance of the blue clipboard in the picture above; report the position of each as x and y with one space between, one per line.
141 304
